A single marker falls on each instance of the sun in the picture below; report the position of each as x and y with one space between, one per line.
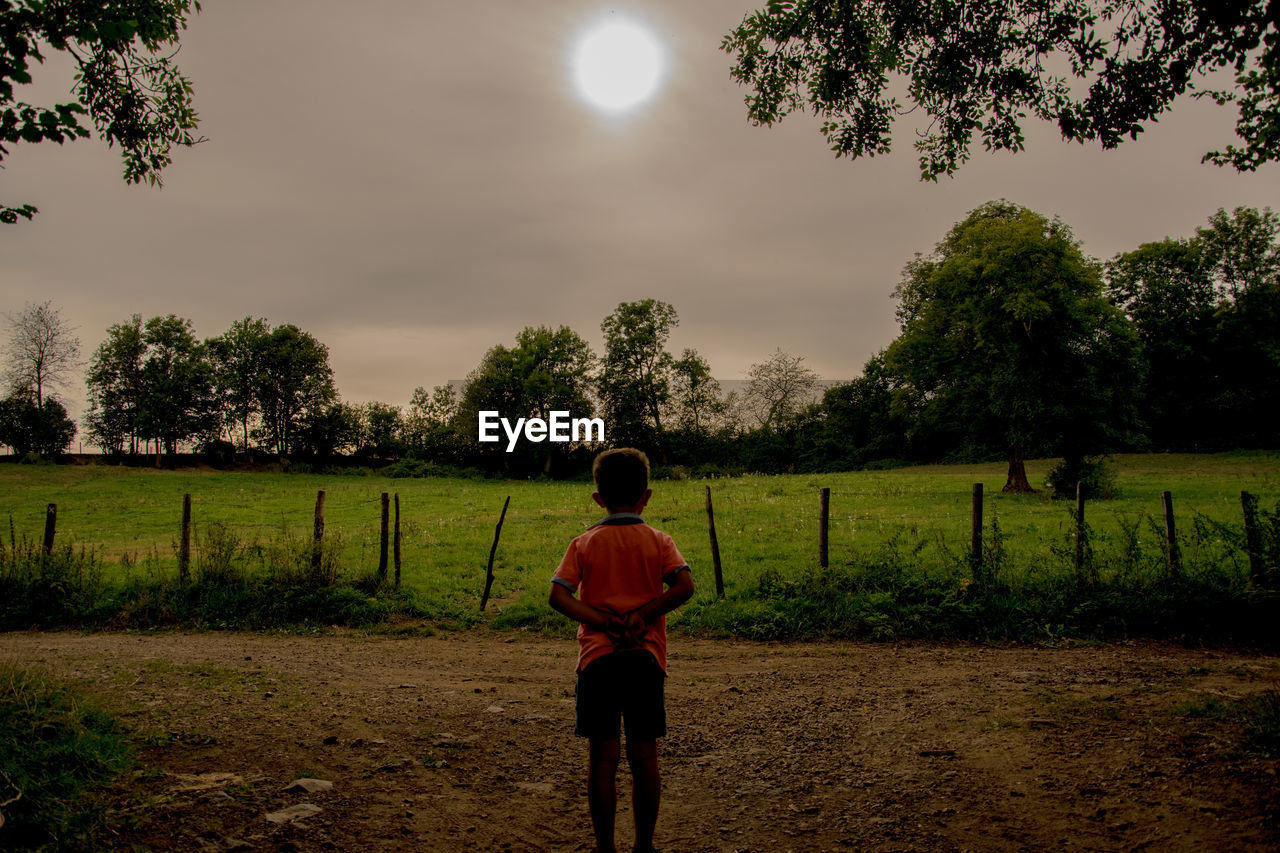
617 65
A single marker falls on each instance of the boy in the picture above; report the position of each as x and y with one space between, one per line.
619 567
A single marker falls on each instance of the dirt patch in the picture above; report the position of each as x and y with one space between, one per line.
465 742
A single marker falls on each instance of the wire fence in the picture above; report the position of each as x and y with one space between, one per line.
378 535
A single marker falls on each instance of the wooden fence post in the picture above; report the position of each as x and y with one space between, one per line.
1174 559
1080 533
1252 544
488 575
184 548
715 546
396 541
317 533
975 544
824 518
50 525
382 539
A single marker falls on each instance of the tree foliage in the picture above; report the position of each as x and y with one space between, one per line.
428 431
295 382
697 404
1207 312
1166 290
126 86
115 385
547 370
1008 342
177 401
30 427
859 422
1100 69
236 356
634 384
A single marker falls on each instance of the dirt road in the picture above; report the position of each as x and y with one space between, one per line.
463 742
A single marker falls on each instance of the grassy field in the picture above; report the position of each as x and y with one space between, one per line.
913 519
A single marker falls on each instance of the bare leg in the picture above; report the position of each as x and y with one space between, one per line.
646 789
602 790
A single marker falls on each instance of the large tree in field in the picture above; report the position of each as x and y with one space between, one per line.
1101 70
294 382
634 384
127 84
1008 342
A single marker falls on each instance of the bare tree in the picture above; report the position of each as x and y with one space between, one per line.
42 349
779 388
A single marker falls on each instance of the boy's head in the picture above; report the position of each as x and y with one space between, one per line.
622 478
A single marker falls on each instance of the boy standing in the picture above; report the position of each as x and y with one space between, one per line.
619 568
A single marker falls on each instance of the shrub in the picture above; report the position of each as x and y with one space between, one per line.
1093 473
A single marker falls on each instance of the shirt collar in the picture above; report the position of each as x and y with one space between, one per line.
620 518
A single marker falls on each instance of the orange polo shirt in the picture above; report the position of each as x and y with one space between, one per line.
618 565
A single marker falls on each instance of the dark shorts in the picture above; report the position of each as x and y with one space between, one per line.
622 685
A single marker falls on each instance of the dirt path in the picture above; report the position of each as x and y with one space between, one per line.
464 743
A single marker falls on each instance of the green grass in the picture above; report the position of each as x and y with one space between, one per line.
55 748
898 540
1258 716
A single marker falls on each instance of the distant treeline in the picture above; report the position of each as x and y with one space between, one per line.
1013 343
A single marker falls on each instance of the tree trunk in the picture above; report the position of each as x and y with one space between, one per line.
1016 482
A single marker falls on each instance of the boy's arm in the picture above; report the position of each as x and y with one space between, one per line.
680 591
564 601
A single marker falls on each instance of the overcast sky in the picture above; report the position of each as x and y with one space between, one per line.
414 182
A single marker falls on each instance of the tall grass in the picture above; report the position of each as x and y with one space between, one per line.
56 747
235 584
1124 587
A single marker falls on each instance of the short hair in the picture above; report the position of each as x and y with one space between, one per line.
621 476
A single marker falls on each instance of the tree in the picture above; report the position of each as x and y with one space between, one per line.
427 425
381 430
115 386
236 355
696 402
547 370
1008 343
981 66
27 427
177 401
294 381
42 350
860 423
635 378
1242 251
126 86
778 389
328 429
1166 290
